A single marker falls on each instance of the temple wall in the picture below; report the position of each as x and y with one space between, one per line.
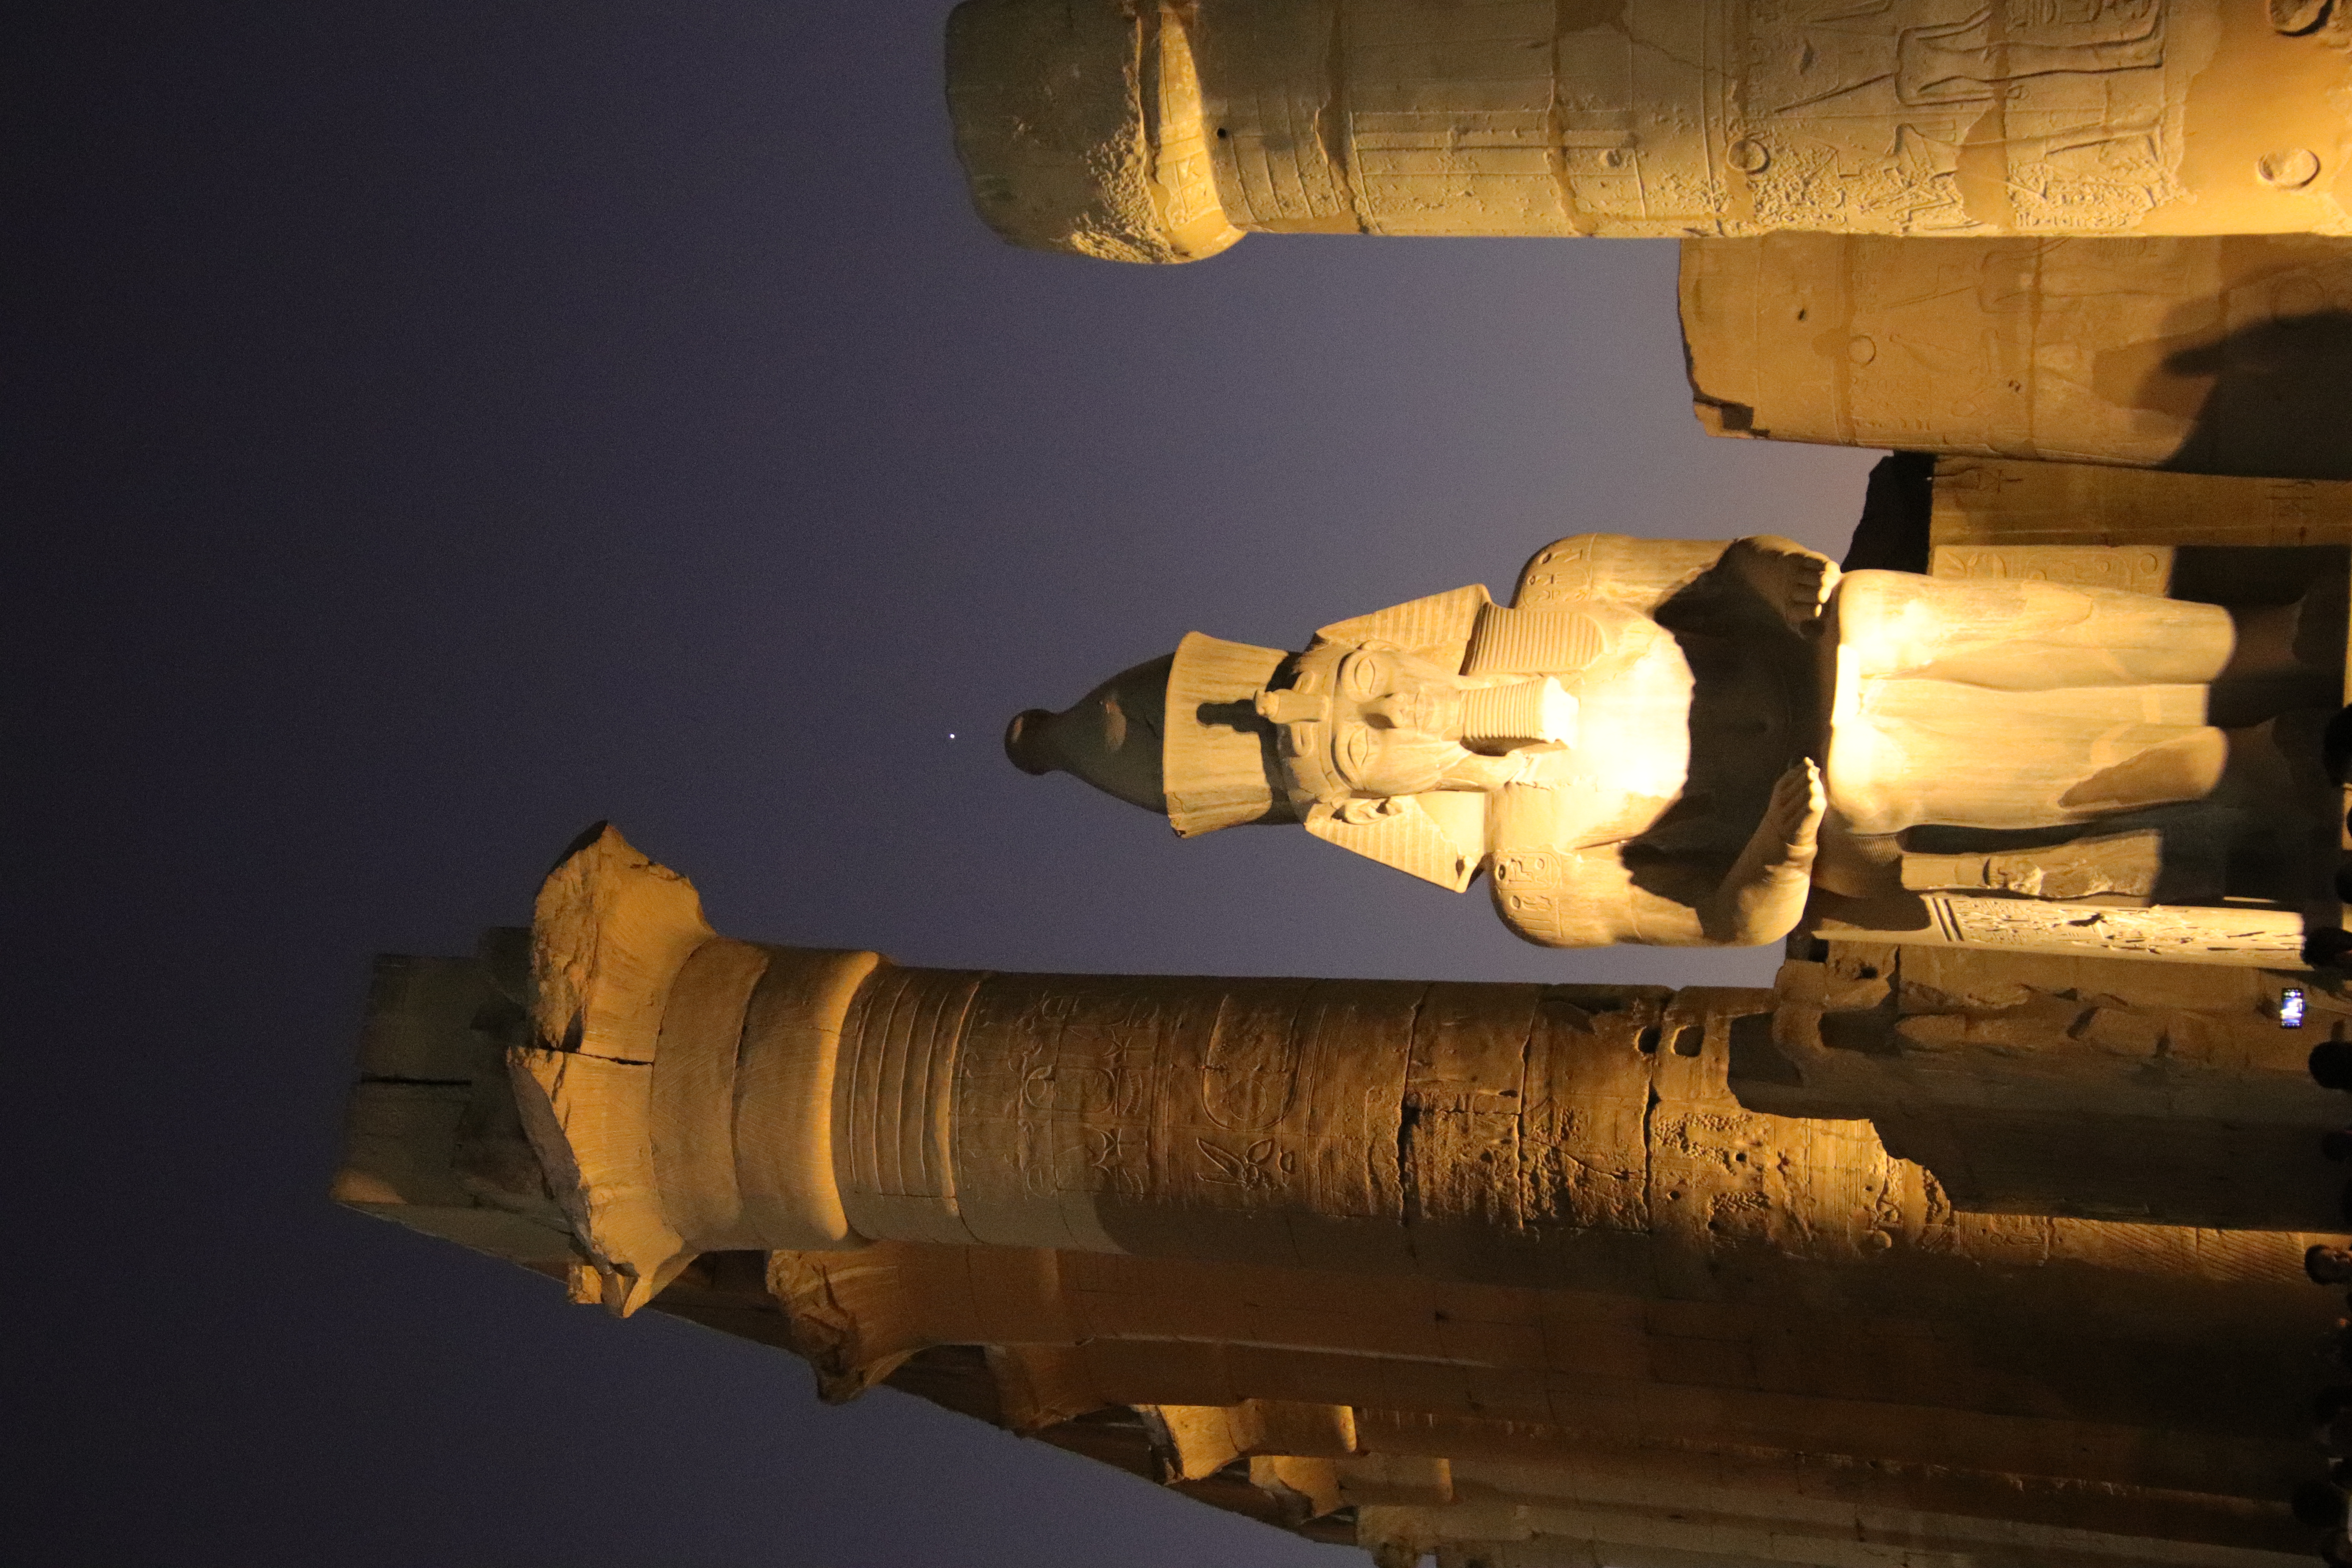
1995 502
1653 1420
1498 1528
1134 1332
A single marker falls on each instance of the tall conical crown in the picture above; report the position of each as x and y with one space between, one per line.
1179 735
1111 737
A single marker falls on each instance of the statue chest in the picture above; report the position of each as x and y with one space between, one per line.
1680 733
1633 686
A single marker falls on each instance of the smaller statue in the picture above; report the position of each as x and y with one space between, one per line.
1679 743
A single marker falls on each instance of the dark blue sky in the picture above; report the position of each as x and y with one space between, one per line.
434 426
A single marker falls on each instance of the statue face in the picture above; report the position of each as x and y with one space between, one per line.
1386 690
1367 721
1396 722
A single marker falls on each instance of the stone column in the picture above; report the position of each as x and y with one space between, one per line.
1160 132
687 1092
2210 355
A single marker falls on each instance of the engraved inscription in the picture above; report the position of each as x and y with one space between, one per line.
2134 568
1259 1166
1251 1072
2267 938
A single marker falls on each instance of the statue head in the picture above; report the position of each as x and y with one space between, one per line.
1371 737
1369 721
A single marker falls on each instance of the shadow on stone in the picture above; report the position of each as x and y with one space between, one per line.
2277 404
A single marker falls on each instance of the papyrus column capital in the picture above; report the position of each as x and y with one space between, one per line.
649 1031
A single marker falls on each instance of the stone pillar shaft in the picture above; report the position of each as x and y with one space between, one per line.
716 1095
1643 117
1673 117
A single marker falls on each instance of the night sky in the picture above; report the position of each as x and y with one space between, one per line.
432 427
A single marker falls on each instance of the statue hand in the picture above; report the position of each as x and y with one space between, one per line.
1796 582
1793 819
1764 897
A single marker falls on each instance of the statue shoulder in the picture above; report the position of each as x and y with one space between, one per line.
1614 569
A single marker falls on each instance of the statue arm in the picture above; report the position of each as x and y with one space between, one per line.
1639 574
1760 900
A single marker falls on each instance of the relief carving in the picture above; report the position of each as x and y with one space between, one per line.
1252 1070
1260 1166
2254 937
1678 117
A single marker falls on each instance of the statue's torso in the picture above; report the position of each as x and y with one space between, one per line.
1686 719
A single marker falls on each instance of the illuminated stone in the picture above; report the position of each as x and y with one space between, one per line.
1515 1272
1160 131
1698 744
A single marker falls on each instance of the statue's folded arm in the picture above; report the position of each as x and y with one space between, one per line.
1594 897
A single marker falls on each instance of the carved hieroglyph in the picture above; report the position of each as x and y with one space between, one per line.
2135 521
2223 355
1160 131
2256 938
1427 1263
1629 749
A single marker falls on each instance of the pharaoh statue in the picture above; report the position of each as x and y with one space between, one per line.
1686 743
